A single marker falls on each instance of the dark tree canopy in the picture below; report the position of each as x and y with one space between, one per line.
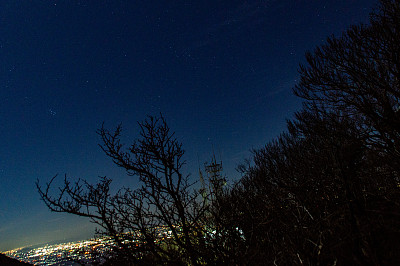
358 75
327 191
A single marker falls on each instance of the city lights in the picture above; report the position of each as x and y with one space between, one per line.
64 253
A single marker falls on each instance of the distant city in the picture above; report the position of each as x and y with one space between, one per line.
66 254
75 252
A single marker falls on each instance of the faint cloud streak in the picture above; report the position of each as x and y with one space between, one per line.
238 19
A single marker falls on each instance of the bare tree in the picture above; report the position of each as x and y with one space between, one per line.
358 75
326 192
161 221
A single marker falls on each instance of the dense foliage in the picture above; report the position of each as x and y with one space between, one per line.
327 192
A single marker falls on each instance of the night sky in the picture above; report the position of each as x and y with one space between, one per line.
221 72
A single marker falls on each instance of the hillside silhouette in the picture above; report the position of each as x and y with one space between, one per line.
4 260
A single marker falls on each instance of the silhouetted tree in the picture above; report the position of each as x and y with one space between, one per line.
357 76
165 220
316 197
326 192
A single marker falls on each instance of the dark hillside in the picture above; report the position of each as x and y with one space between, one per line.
4 260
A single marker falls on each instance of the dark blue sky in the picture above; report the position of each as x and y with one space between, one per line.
221 72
